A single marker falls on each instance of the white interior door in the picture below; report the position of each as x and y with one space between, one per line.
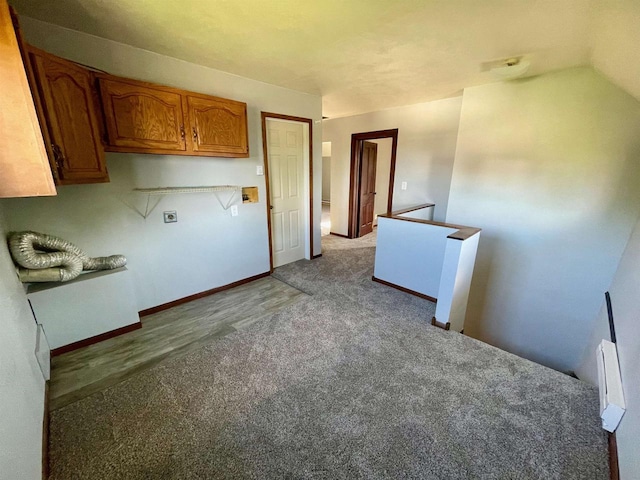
286 165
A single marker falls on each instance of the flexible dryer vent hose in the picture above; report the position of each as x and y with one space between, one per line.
46 258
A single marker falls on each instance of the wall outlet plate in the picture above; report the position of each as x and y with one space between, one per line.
170 217
259 170
234 210
404 186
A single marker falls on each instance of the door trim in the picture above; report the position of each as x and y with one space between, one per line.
265 151
357 140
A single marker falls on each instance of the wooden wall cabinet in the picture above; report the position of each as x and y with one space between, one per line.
24 167
218 126
147 118
70 116
141 117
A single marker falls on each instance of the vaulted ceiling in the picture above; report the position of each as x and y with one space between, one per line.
360 55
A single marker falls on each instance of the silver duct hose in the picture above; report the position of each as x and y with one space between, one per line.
46 258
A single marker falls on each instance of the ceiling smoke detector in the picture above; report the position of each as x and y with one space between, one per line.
510 68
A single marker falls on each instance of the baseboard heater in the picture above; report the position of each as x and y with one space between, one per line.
612 406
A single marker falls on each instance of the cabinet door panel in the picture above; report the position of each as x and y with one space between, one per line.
141 118
24 167
218 126
72 119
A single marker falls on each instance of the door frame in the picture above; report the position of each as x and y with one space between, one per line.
265 150
357 141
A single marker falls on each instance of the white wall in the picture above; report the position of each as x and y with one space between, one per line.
207 248
549 168
426 149
625 304
615 37
21 381
326 179
64 318
383 168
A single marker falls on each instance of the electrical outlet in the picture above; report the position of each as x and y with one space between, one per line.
170 217
259 170
234 210
404 186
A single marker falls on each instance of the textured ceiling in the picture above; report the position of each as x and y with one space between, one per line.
360 55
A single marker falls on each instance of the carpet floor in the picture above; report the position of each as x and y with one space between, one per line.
350 383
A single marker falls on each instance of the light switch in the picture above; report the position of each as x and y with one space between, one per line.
259 170
404 186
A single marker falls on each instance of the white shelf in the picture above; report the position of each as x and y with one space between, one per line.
163 191
174 190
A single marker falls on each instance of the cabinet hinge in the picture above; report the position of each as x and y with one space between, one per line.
58 156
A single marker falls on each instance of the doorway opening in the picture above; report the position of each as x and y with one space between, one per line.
325 218
288 169
362 186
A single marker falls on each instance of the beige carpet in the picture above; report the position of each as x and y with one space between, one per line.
351 383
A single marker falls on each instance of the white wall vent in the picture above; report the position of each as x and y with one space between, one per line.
612 406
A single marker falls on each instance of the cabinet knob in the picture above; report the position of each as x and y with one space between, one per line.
182 131
195 133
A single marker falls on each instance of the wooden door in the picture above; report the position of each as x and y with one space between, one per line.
141 117
217 126
367 187
70 111
285 156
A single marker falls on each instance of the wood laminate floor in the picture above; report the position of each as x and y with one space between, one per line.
180 329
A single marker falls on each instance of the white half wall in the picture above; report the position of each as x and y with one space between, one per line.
625 304
455 282
21 381
206 248
549 168
421 214
427 135
411 254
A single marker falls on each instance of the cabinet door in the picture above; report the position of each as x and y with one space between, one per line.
71 117
24 167
217 126
141 118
